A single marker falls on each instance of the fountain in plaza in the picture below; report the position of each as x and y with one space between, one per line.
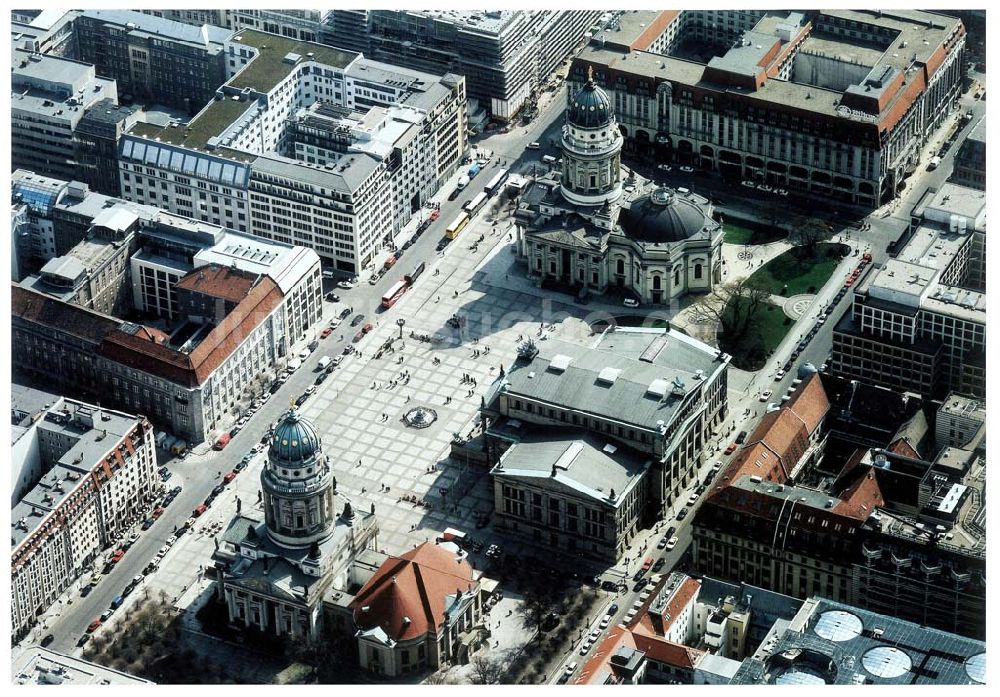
420 417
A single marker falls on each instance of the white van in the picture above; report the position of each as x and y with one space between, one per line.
324 362
535 145
294 365
548 159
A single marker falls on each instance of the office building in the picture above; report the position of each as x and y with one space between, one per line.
835 103
49 98
95 144
154 59
196 18
830 643
918 323
93 473
858 513
970 160
506 56
48 31
301 25
38 666
187 371
596 226
230 166
635 410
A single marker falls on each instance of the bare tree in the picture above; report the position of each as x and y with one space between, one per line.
733 307
486 670
536 605
808 234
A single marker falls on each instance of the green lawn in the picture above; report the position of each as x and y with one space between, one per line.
738 231
753 350
799 269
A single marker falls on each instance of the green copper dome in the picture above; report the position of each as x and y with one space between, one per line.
295 440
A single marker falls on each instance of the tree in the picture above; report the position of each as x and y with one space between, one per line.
536 605
486 670
807 236
733 307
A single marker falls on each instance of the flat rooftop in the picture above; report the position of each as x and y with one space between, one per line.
269 67
38 666
208 123
834 643
487 22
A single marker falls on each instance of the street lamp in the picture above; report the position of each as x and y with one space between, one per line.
400 322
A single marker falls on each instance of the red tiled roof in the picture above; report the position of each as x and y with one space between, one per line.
861 498
139 351
901 446
662 651
810 403
37 308
414 586
219 281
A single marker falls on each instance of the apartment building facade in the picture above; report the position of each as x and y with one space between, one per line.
98 473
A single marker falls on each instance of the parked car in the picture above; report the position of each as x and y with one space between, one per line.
741 437
664 167
201 508
92 627
631 302
764 395
687 169
730 449
779 375
682 514
49 638
148 523
671 543
326 332
346 285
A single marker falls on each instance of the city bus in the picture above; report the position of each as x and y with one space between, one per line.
476 203
394 293
496 182
457 226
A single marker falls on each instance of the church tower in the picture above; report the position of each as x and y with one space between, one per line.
591 145
297 485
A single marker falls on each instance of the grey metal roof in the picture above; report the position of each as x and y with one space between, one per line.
589 465
161 27
349 174
628 398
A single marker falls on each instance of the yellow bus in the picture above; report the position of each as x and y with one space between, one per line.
457 226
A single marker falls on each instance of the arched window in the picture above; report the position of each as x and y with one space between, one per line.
677 277
620 266
656 283
697 271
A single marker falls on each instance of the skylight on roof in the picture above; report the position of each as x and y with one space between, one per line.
658 387
559 363
608 376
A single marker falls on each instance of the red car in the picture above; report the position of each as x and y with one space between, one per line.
158 512
731 449
849 282
435 214
867 256
199 510
94 625
646 565
117 556
365 329
229 477
325 333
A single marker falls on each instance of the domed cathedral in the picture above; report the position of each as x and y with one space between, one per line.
595 225
274 574
297 485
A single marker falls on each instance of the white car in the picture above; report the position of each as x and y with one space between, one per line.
304 353
780 374
605 622
764 395
374 279
717 466
327 273
748 184
664 168
687 169
534 145
781 192
671 543
585 647
631 302
692 499
570 667
346 285
334 323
